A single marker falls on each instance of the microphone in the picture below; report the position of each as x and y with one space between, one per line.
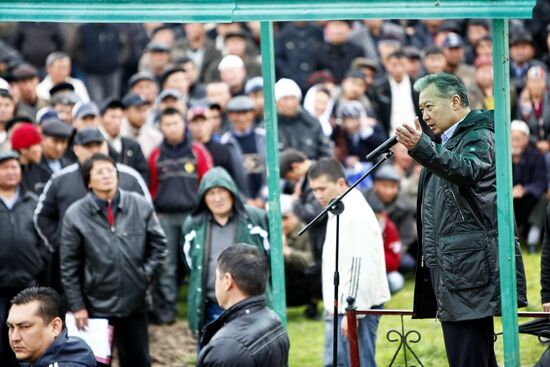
382 148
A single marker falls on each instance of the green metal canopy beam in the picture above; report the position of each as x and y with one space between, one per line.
272 163
505 208
247 10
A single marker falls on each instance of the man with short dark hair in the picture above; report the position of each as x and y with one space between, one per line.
67 186
111 247
121 149
21 255
37 332
247 333
177 167
361 262
457 276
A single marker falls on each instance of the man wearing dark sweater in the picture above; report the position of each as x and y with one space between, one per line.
176 167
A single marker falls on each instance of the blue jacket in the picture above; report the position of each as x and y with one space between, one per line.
67 351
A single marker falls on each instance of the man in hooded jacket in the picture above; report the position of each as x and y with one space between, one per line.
220 220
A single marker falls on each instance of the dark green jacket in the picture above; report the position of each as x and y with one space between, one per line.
252 229
457 225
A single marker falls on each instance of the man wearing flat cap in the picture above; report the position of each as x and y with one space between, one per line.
55 141
249 143
25 76
134 125
522 57
21 258
145 85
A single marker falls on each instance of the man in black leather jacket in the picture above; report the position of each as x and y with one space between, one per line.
111 246
247 333
457 276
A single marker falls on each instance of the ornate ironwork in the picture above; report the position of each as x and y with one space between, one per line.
404 339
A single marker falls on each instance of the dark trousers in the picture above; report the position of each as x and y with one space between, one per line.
7 357
470 343
132 340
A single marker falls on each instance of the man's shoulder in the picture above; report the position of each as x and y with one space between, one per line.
67 352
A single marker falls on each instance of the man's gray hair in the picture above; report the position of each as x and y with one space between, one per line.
54 56
447 85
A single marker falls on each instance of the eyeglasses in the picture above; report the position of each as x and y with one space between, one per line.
103 171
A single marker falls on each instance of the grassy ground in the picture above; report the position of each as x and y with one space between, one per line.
307 337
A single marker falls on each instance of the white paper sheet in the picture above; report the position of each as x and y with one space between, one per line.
98 335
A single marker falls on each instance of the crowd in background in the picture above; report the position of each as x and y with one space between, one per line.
168 102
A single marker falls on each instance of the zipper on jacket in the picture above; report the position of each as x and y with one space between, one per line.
422 261
456 202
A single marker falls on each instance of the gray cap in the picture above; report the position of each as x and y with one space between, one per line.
88 135
82 110
157 47
133 100
7 155
254 85
351 109
142 75
169 93
66 98
387 172
240 104
56 128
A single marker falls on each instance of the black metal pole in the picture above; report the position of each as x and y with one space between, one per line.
336 208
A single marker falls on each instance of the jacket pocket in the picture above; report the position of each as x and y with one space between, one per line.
464 260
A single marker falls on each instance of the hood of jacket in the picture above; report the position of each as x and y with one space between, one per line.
69 350
218 177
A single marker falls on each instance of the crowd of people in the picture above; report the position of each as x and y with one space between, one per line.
133 155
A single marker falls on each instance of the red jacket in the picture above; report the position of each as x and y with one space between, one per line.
392 245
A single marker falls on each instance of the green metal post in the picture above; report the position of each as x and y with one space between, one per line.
272 163
505 207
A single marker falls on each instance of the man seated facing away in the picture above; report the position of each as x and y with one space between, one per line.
37 332
247 333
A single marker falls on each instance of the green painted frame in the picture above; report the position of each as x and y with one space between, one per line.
267 11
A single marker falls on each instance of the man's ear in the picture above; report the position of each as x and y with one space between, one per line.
341 181
57 326
228 281
456 102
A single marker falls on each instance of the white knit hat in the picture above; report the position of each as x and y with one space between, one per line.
231 61
521 126
287 88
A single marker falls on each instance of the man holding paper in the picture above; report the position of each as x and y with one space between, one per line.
111 246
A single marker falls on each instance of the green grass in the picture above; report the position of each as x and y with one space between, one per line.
307 337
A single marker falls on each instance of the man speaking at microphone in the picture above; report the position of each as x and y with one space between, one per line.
457 276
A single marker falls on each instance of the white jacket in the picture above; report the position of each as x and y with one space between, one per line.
362 265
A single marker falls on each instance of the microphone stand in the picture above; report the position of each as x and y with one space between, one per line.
336 207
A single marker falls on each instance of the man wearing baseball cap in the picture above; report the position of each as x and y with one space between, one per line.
135 124
84 115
